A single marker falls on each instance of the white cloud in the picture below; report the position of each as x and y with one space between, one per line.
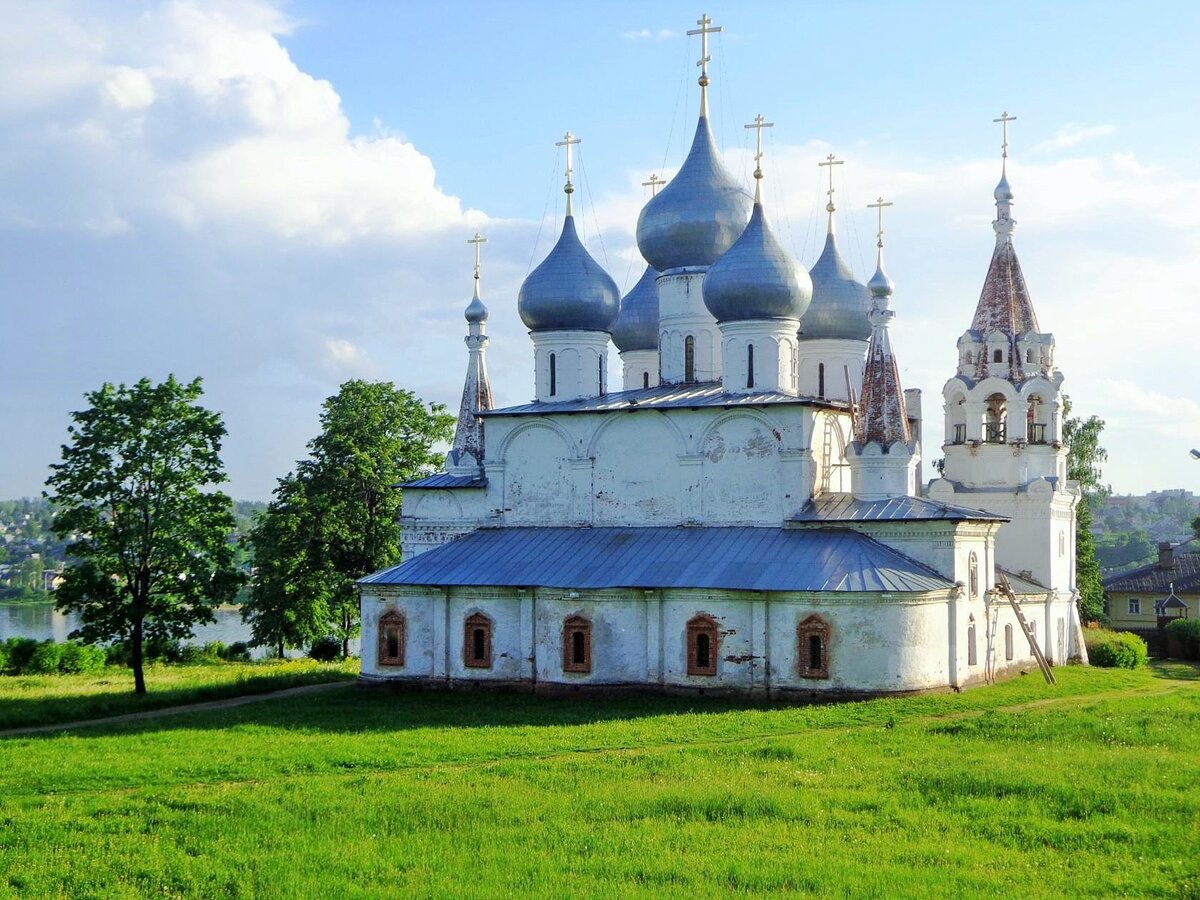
1070 136
646 34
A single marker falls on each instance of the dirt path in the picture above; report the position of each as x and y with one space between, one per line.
205 706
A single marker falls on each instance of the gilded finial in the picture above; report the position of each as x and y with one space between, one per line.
758 125
704 31
477 241
654 184
830 162
1004 119
569 140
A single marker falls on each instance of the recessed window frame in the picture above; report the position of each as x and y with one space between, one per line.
702 631
471 659
391 625
812 628
577 636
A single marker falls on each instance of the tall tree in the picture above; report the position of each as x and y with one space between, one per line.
285 609
1084 458
337 518
152 557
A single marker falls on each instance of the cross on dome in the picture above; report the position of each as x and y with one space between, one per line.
569 140
1004 119
704 31
758 125
654 184
829 163
879 205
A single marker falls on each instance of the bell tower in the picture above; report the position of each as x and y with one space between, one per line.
1004 449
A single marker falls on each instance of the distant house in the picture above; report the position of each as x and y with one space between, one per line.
1146 599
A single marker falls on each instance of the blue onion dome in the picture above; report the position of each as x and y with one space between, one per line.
756 278
476 311
569 291
698 215
839 303
637 325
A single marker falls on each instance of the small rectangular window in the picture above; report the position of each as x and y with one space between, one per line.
702 646
477 642
553 376
1135 606
577 645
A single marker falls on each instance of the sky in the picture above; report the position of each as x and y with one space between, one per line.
277 196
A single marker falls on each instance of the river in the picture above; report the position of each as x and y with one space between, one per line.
42 621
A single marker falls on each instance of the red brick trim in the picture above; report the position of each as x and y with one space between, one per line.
577 636
471 645
703 644
812 647
391 652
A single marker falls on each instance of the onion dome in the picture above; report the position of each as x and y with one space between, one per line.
637 325
698 215
1003 192
756 279
569 291
476 311
839 303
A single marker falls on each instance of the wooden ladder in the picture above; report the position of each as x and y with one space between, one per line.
1043 664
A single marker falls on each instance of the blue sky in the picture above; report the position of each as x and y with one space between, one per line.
277 196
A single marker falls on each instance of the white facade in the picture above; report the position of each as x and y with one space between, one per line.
733 438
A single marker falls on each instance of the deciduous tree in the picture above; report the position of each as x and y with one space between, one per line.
152 557
1084 458
336 519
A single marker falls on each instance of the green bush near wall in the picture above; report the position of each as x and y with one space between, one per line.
1115 649
1186 634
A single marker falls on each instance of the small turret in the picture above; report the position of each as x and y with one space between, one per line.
467 452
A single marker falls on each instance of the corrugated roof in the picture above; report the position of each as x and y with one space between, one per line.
445 480
665 396
753 559
1184 575
1022 584
845 508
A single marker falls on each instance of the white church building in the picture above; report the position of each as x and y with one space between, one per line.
747 513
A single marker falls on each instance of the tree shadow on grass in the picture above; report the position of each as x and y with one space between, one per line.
1175 669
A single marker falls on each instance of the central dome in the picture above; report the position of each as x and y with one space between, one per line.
569 291
698 215
839 303
756 279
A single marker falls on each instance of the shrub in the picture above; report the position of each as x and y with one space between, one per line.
20 652
77 658
1187 633
326 649
3 657
45 659
1116 649
238 651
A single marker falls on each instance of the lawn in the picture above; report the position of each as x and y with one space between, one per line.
46 699
1090 787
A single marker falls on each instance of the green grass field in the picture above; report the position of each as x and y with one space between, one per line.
46 699
1088 788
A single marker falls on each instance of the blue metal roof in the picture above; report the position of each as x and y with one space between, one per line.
445 480
751 559
845 508
665 396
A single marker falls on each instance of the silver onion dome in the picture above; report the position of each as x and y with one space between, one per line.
839 303
756 278
637 325
698 215
569 291
476 311
880 285
1003 192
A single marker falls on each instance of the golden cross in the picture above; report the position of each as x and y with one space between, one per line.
654 183
1005 118
758 125
704 31
477 240
879 205
569 140
830 162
